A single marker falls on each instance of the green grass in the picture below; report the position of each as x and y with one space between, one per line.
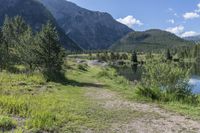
183 109
117 83
38 106
28 103
7 123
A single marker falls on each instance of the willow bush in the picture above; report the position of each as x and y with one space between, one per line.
166 81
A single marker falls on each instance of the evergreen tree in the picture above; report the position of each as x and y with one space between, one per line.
106 56
134 58
149 55
13 29
112 56
124 56
98 55
19 27
49 52
26 51
7 42
195 51
1 50
117 56
90 55
168 55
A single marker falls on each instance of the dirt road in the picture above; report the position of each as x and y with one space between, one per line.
153 120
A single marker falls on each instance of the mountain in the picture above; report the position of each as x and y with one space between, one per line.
89 29
150 40
35 14
193 38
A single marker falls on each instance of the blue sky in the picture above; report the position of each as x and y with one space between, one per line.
181 17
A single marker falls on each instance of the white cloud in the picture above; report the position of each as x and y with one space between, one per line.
198 10
170 9
172 21
190 15
130 21
175 14
189 33
178 30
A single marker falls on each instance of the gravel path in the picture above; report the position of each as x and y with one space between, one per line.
154 120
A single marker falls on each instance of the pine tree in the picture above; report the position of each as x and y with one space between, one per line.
90 55
49 52
168 55
112 56
12 30
117 56
27 48
134 58
1 50
124 56
98 55
19 28
106 56
195 51
7 42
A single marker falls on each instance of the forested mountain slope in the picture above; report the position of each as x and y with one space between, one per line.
35 14
90 29
149 40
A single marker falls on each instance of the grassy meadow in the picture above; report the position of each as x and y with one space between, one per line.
30 104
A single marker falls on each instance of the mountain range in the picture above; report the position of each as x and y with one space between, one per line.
35 14
82 29
89 29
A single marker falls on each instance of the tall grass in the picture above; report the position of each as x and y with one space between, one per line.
7 123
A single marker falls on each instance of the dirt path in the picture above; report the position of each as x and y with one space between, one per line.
154 120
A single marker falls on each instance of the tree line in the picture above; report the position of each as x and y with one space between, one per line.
20 45
192 52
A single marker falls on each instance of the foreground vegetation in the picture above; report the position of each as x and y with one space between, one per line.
29 103
40 91
160 80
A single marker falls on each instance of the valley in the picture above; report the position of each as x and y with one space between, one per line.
95 67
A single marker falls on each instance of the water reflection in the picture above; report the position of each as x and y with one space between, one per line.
132 73
195 79
135 71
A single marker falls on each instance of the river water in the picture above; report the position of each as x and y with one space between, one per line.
134 73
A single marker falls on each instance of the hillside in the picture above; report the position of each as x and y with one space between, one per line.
149 40
35 14
193 38
89 29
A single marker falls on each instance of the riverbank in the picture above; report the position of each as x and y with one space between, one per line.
94 98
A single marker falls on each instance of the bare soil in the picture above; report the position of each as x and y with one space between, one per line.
154 120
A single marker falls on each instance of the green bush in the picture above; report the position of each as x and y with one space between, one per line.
83 67
165 82
7 123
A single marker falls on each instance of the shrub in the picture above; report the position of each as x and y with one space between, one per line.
165 82
7 123
83 67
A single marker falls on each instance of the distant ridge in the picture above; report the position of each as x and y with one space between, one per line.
149 40
193 38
